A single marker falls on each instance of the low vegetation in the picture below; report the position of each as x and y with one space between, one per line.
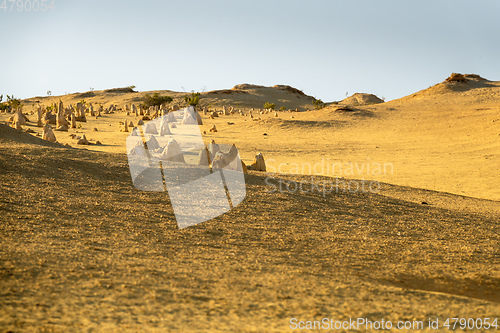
318 104
268 105
11 103
155 99
193 99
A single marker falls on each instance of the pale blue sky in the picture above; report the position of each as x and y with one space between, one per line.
325 48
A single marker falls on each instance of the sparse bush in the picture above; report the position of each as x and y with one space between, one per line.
193 100
155 99
318 104
282 108
12 102
268 105
3 106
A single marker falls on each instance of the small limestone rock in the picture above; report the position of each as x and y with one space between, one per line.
259 164
83 141
62 128
213 129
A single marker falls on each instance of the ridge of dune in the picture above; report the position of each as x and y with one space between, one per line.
241 95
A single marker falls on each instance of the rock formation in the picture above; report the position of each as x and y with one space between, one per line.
48 134
259 164
150 128
40 119
49 118
73 120
204 157
80 113
83 141
152 143
164 128
63 128
172 152
19 117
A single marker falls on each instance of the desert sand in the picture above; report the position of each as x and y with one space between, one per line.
83 250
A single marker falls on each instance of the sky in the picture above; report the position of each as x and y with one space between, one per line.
326 48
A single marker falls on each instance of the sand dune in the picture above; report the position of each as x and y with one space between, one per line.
82 249
444 138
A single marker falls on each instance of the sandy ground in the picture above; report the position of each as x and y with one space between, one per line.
83 250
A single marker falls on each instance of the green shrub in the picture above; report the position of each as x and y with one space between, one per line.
268 105
318 104
193 100
155 99
12 103
282 108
